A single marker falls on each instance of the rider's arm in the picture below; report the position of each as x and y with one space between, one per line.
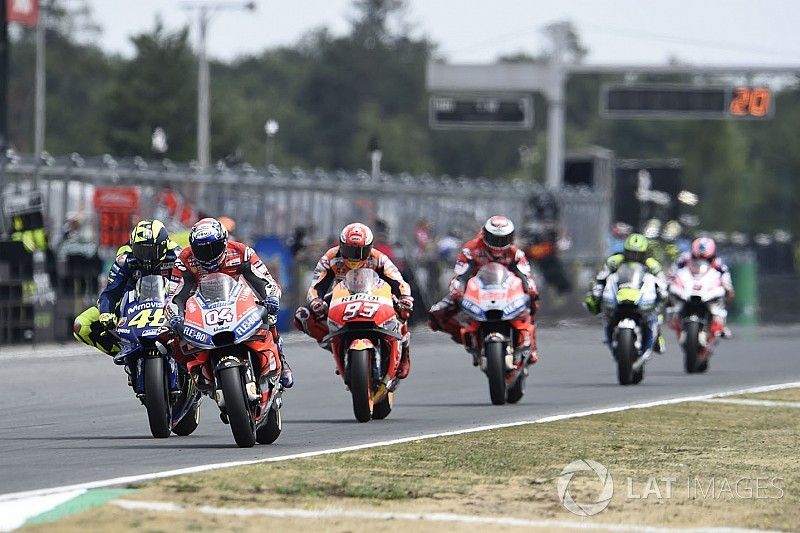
389 273
323 278
522 269
118 278
182 285
462 272
173 251
257 275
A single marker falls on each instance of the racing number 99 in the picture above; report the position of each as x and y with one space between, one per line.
362 309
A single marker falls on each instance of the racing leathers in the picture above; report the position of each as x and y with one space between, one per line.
332 267
239 260
611 265
444 315
122 277
719 313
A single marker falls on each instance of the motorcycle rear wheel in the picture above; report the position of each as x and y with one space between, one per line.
271 430
239 416
624 354
691 347
381 409
517 390
361 384
496 371
156 397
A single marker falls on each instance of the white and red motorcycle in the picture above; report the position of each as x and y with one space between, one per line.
697 294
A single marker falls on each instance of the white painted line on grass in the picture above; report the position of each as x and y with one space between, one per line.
124 480
756 403
451 518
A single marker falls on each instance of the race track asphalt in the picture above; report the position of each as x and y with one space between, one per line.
71 418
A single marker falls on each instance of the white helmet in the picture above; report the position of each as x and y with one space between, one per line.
498 233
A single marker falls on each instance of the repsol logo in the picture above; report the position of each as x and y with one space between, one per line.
248 323
361 297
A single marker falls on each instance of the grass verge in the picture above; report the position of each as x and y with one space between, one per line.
692 464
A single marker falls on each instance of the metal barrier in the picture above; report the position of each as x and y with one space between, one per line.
271 201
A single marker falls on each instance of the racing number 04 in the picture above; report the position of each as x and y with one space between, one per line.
362 309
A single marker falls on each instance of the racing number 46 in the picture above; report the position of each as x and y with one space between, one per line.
147 317
362 309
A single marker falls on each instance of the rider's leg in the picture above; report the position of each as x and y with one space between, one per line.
717 328
305 321
87 329
525 340
287 377
405 353
442 317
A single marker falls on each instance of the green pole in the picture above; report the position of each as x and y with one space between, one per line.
744 272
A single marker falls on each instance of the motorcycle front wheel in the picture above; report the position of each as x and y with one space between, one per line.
691 347
156 397
361 384
242 426
496 371
625 353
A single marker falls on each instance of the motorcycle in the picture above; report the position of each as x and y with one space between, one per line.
365 337
631 314
495 304
695 291
163 386
227 333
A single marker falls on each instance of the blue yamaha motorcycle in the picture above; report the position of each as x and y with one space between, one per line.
161 384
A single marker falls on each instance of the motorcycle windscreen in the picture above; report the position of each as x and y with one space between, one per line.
151 289
493 275
631 275
216 287
362 280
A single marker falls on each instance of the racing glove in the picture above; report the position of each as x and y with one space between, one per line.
319 308
405 305
176 323
592 304
272 305
108 320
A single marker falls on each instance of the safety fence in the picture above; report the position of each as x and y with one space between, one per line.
415 215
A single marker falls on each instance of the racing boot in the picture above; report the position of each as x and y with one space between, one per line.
287 377
404 366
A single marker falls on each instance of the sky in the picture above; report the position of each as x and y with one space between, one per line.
478 31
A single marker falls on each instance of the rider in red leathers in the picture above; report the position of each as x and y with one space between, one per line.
209 251
355 250
494 244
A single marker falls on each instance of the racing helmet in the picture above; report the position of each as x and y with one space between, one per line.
208 240
149 241
355 244
635 248
704 248
498 234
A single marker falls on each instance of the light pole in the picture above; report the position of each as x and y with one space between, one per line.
271 129
204 10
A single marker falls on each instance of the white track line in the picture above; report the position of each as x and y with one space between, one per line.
756 403
451 518
124 480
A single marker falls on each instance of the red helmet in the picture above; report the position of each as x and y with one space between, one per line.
704 248
355 243
498 234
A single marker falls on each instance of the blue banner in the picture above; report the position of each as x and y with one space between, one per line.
278 258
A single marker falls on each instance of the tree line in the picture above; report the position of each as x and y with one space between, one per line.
335 95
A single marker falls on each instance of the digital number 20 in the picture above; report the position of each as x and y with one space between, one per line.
753 102
362 309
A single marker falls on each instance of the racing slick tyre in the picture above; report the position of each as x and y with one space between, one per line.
624 354
189 422
360 384
638 376
691 347
271 430
239 416
702 367
382 408
496 371
156 397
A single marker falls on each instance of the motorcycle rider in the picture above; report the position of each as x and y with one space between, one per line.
705 249
210 251
635 250
149 251
493 244
355 250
